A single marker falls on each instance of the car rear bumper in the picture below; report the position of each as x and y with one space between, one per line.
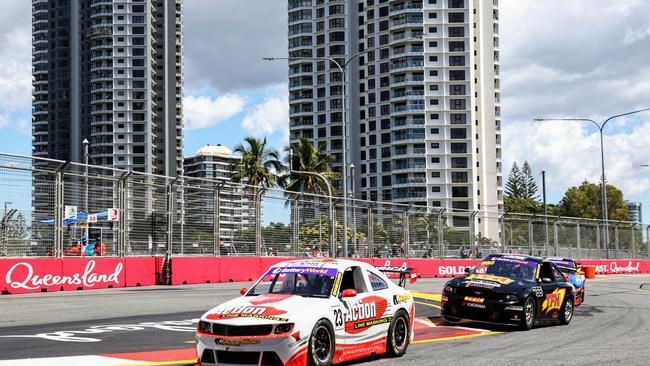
488 311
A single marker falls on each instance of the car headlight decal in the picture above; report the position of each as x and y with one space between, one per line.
283 328
205 327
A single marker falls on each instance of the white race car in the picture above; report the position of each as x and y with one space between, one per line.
310 312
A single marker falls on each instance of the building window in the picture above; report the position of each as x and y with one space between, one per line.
435 174
434 116
435 160
435 145
433 87
433 58
433 44
435 189
435 131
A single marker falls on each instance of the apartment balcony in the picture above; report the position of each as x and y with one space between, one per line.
405 37
415 80
405 66
408 137
415 122
405 8
409 152
408 109
409 95
407 23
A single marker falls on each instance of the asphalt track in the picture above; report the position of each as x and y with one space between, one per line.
612 327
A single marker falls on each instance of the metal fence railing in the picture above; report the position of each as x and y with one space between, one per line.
52 208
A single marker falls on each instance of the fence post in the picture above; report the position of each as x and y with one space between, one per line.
170 217
647 238
295 227
632 256
216 221
556 242
371 234
405 219
578 244
598 243
332 229
58 210
258 222
502 226
441 234
615 241
121 231
530 235
472 234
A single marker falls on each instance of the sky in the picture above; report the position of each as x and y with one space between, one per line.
559 58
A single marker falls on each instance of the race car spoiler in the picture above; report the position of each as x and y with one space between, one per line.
402 272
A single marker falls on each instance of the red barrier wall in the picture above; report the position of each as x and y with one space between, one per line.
91 273
238 269
22 275
140 271
189 270
27 275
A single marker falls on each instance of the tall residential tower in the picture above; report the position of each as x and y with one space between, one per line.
109 71
422 98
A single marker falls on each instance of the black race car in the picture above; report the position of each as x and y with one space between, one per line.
510 289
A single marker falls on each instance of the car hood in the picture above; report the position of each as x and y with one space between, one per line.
489 282
266 309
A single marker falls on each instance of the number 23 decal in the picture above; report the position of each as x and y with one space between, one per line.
338 318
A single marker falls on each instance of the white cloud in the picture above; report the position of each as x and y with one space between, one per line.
270 116
570 153
204 111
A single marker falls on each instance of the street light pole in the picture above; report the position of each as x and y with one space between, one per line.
342 68
545 212
603 186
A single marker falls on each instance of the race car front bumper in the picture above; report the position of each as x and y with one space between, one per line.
482 310
272 351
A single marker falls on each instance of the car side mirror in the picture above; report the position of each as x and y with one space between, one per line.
546 280
243 291
467 270
349 293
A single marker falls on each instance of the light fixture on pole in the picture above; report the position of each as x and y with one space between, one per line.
603 185
342 68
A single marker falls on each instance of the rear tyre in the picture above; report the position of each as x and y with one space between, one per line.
399 335
321 344
528 318
566 313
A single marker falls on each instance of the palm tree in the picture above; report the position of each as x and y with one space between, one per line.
309 160
260 167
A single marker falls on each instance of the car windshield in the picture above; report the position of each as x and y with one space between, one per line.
565 265
302 281
511 267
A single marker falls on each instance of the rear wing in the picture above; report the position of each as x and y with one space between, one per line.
402 272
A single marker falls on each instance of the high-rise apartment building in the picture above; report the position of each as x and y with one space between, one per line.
634 210
214 162
422 98
109 71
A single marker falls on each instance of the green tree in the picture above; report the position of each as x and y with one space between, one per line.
17 228
309 160
259 165
528 185
514 185
584 201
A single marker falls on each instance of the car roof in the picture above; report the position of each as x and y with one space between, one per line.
323 262
518 256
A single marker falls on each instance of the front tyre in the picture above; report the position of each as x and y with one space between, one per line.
321 344
566 314
398 335
528 319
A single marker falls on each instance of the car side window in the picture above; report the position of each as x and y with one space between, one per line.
376 282
559 277
545 271
353 279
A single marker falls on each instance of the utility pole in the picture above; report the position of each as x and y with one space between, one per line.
545 212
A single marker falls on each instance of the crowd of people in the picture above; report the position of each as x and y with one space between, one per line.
84 248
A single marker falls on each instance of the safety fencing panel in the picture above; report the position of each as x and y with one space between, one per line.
53 208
